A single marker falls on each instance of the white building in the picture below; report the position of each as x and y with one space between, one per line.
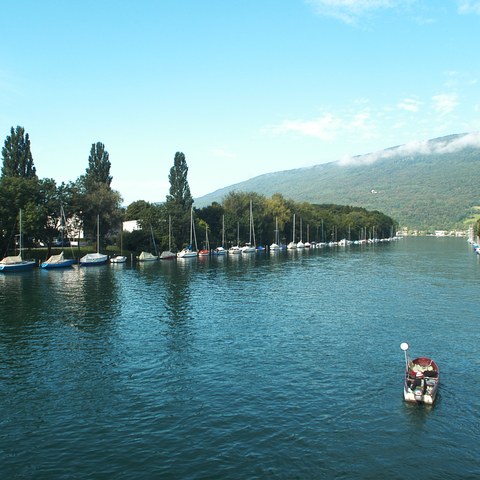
131 225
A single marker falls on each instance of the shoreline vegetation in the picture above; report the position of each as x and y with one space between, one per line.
88 210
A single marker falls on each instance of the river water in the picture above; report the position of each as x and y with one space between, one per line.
265 366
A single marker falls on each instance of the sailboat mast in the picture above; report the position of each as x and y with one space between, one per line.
20 240
98 233
191 225
153 240
223 230
293 239
169 233
251 222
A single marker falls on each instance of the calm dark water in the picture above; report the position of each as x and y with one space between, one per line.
285 366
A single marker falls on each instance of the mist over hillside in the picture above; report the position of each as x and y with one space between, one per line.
423 185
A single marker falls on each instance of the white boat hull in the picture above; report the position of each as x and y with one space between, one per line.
92 259
187 253
118 259
419 397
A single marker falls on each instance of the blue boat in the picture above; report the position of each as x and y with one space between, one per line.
15 263
58 261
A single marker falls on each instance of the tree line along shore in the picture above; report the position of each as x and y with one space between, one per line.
89 203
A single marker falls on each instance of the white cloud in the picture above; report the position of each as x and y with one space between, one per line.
363 125
410 105
469 6
222 152
422 147
349 11
330 127
325 127
445 103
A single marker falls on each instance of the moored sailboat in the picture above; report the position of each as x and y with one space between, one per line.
118 259
292 245
307 243
205 251
300 244
168 254
189 252
147 256
15 263
235 249
59 260
97 258
121 258
250 246
275 246
220 250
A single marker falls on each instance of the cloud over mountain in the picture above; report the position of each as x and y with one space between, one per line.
427 147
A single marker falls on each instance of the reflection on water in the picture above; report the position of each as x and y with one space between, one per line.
257 366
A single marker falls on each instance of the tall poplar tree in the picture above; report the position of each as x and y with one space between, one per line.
97 196
180 200
98 170
16 154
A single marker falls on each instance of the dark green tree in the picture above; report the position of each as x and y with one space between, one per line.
99 201
16 154
98 170
212 216
179 201
236 206
94 196
135 210
16 193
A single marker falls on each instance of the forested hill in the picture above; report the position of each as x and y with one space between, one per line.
425 185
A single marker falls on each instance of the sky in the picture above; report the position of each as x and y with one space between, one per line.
241 87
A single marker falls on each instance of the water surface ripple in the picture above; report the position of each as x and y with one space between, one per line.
283 366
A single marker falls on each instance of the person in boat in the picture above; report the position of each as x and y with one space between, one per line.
419 382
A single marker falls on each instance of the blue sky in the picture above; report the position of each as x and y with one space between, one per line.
242 88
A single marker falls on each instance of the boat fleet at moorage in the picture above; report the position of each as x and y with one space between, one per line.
474 242
58 261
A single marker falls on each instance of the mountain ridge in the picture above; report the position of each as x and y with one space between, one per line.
423 185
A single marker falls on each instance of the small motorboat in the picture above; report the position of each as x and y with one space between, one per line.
118 259
422 378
